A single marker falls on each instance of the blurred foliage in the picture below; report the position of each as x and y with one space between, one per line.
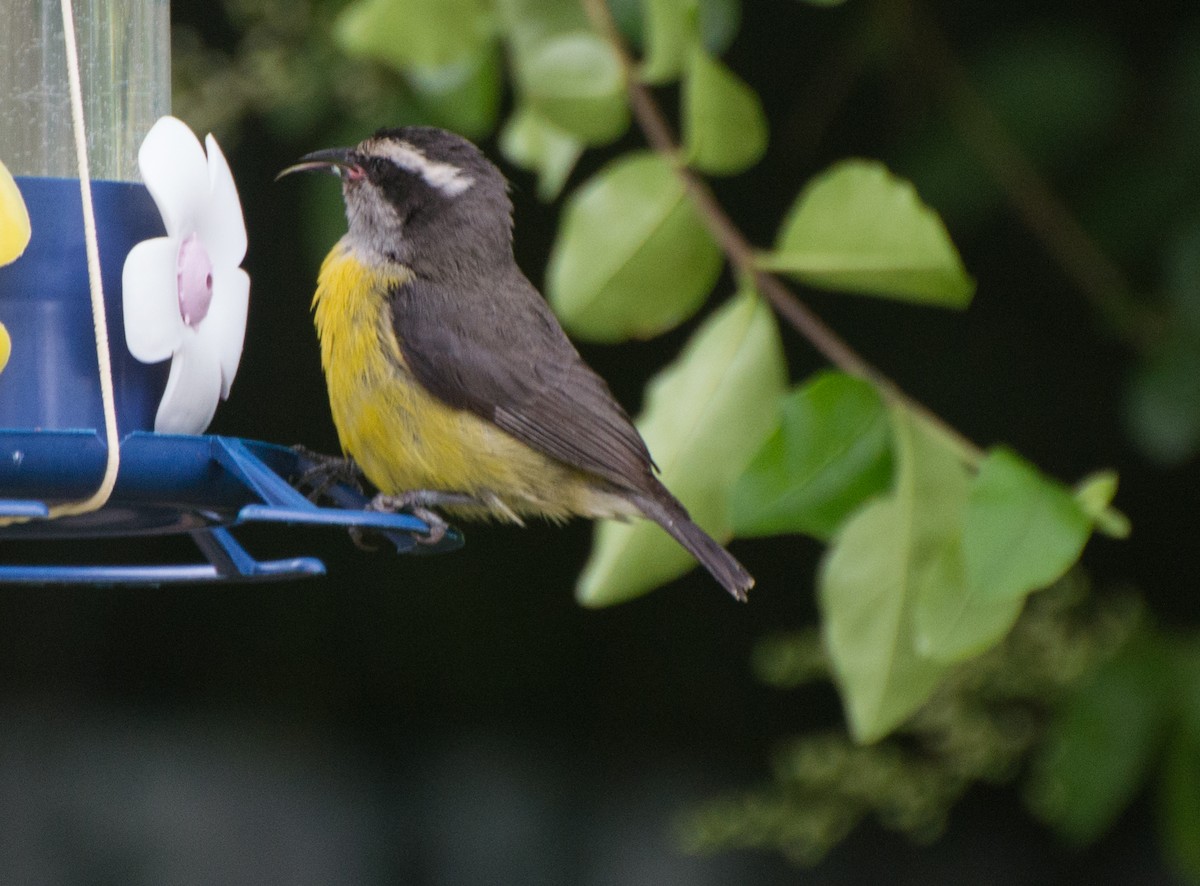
979 726
932 627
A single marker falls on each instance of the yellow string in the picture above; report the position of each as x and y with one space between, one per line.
103 357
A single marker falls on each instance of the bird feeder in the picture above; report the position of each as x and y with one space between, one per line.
58 425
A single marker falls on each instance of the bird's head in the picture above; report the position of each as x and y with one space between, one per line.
419 194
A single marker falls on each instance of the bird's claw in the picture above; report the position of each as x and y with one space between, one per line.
417 503
325 471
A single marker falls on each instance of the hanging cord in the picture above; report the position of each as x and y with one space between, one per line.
99 319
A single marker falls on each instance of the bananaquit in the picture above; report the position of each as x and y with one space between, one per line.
450 381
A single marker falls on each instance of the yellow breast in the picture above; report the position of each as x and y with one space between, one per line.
403 437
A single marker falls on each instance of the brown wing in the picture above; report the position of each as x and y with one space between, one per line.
508 361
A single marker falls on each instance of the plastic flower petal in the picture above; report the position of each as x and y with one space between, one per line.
153 324
227 319
185 296
192 388
226 243
14 237
14 219
175 170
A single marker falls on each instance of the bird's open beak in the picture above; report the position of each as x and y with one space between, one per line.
333 160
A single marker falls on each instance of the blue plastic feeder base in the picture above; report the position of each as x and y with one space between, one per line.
204 486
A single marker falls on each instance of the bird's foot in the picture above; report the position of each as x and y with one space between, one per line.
419 503
324 471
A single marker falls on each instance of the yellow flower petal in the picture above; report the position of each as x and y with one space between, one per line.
5 347
14 221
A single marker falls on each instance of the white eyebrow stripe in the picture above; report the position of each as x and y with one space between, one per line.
446 177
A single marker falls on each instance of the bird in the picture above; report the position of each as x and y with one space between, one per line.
451 383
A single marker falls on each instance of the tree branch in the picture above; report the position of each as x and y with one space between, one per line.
742 255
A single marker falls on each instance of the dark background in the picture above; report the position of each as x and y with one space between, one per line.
459 719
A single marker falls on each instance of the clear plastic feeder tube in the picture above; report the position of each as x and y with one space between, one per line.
125 69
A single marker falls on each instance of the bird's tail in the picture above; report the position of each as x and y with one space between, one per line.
665 510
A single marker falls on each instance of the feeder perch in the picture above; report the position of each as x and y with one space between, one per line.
53 445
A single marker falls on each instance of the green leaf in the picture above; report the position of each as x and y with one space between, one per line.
527 22
705 416
672 29
718 21
1099 748
630 18
724 127
1095 495
858 228
1179 810
562 71
952 621
575 81
880 563
463 95
1179 782
408 33
1181 275
532 142
1022 531
1162 400
632 257
830 452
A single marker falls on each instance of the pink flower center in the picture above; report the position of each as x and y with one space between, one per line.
193 276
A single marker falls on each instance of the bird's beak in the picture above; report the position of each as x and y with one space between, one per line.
333 160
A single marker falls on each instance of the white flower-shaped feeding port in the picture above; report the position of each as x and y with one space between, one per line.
185 296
